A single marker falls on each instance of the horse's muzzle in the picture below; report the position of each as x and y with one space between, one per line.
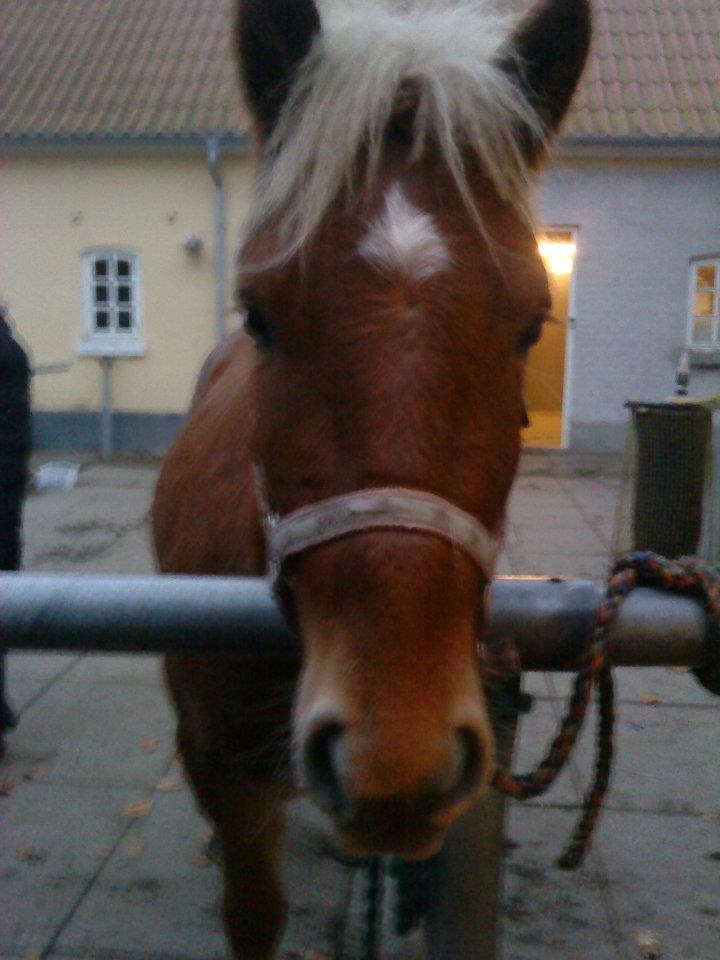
409 821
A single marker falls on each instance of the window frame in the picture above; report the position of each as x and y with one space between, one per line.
112 342
712 346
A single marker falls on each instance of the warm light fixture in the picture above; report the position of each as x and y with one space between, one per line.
558 255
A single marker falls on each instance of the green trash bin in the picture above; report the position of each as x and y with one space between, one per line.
673 443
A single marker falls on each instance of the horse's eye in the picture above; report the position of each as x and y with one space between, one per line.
530 335
259 327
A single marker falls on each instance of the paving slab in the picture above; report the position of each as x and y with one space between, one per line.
580 565
101 528
661 758
655 873
665 686
43 667
53 840
30 676
90 734
117 669
156 894
556 540
24 692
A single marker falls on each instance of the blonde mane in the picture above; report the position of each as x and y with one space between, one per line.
368 55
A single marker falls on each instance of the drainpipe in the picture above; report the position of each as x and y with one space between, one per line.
106 411
212 146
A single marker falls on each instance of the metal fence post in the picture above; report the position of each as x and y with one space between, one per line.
463 922
106 411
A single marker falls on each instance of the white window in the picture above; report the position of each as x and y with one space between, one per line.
704 303
111 298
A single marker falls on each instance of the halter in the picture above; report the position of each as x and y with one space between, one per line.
382 508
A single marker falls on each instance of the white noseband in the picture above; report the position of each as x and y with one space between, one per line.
383 508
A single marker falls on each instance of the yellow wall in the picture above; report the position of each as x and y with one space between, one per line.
54 209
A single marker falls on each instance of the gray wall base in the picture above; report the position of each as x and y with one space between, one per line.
154 432
608 437
131 432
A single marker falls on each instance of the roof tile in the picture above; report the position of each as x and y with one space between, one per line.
123 69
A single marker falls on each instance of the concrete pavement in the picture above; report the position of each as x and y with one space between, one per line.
101 850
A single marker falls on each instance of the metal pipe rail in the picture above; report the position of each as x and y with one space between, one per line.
548 620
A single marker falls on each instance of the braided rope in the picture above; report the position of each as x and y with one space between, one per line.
686 575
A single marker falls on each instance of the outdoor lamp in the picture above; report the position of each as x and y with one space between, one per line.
558 256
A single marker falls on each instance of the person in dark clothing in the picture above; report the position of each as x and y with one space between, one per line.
14 456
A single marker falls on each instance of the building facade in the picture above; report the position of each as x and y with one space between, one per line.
640 224
77 212
124 181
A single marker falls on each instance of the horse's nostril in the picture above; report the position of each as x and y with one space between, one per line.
320 764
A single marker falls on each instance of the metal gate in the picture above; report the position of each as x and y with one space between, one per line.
546 620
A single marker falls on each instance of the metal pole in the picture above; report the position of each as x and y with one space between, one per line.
547 620
212 145
106 438
463 920
143 615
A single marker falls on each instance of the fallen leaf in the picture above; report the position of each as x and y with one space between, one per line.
32 955
706 814
649 698
7 787
133 849
104 853
134 810
200 860
29 854
149 745
649 945
34 773
168 784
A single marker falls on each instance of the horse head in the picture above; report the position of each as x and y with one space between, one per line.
392 284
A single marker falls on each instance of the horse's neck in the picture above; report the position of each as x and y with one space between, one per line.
205 512
217 362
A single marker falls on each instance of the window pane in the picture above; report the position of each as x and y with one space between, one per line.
706 275
101 294
704 304
123 268
124 319
123 294
101 319
100 268
702 330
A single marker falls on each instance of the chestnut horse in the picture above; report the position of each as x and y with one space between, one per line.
362 433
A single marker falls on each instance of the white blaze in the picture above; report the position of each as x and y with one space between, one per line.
405 239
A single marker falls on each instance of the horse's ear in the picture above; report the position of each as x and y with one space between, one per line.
272 38
546 56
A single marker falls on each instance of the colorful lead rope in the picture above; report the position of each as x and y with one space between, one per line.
686 575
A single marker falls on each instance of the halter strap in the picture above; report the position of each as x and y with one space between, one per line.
382 508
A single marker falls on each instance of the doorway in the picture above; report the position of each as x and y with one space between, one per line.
547 365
